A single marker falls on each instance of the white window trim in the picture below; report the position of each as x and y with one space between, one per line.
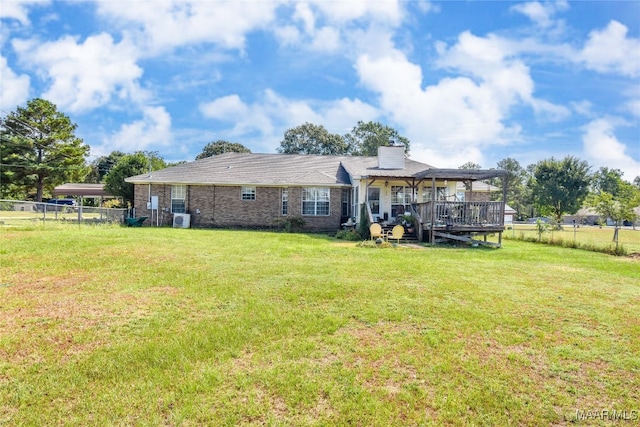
316 202
179 192
248 193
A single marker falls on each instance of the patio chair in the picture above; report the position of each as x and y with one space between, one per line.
376 232
396 233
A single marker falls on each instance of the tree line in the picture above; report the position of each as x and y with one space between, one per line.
39 150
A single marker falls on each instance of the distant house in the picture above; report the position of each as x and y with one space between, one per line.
588 216
252 190
509 214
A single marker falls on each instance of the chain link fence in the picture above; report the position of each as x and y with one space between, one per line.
17 213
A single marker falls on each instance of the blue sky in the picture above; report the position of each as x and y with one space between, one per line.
464 81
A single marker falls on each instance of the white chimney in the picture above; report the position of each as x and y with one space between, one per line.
391 157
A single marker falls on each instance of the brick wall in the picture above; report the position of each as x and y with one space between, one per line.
216 206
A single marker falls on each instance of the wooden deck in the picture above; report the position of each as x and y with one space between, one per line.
461 221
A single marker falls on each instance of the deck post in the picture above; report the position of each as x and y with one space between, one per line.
433 210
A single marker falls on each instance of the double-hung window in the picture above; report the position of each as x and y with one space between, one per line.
315 201
178 198
248 193
285 201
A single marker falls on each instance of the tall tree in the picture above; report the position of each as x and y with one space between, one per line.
607 180
365 138
517 192
40 148
470 166
221 146
127 166
559 187
312 139
102 165
617 207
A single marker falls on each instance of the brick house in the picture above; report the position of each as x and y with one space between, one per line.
250 190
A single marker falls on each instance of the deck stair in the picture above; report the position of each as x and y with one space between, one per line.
406 238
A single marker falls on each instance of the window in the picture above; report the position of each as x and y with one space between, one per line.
441 193
346 202
178 198
373 194
248 193
401 195
285 201
315 201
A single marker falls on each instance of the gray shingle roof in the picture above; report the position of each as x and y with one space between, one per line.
252 169
360 166
275 169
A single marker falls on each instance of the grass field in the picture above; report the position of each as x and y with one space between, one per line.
104 325
589 236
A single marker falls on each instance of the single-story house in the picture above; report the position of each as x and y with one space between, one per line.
588 216
253 190
509 214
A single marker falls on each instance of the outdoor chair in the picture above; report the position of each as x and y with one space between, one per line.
396 233
376 231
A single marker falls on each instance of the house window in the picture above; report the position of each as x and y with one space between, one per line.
315 201
178 198
285 201
346 202
373 194
248 193
441 193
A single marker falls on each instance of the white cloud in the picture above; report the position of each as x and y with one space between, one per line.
84 75
154 130
19 9
456 116
330 27
166 25
610 51
541 13
346 11
633 107
14 89
267 118
602 148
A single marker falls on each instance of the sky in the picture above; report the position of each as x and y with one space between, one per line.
465 81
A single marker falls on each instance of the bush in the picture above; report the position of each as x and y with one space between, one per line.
291 223
350 235
376 244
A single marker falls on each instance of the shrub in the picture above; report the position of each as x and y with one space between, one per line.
377 244
350 235
291 223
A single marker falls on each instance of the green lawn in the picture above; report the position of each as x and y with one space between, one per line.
593 236
109 325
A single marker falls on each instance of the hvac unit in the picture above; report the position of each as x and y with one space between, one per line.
181 220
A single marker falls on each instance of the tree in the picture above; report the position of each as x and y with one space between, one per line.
40 149
312 139
517 191
607 180
130 165
219 147
616 207
102 165
365 138
470 166
559 187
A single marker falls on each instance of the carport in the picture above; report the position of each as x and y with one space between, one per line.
92 191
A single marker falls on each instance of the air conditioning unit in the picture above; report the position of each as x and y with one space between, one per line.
181 220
